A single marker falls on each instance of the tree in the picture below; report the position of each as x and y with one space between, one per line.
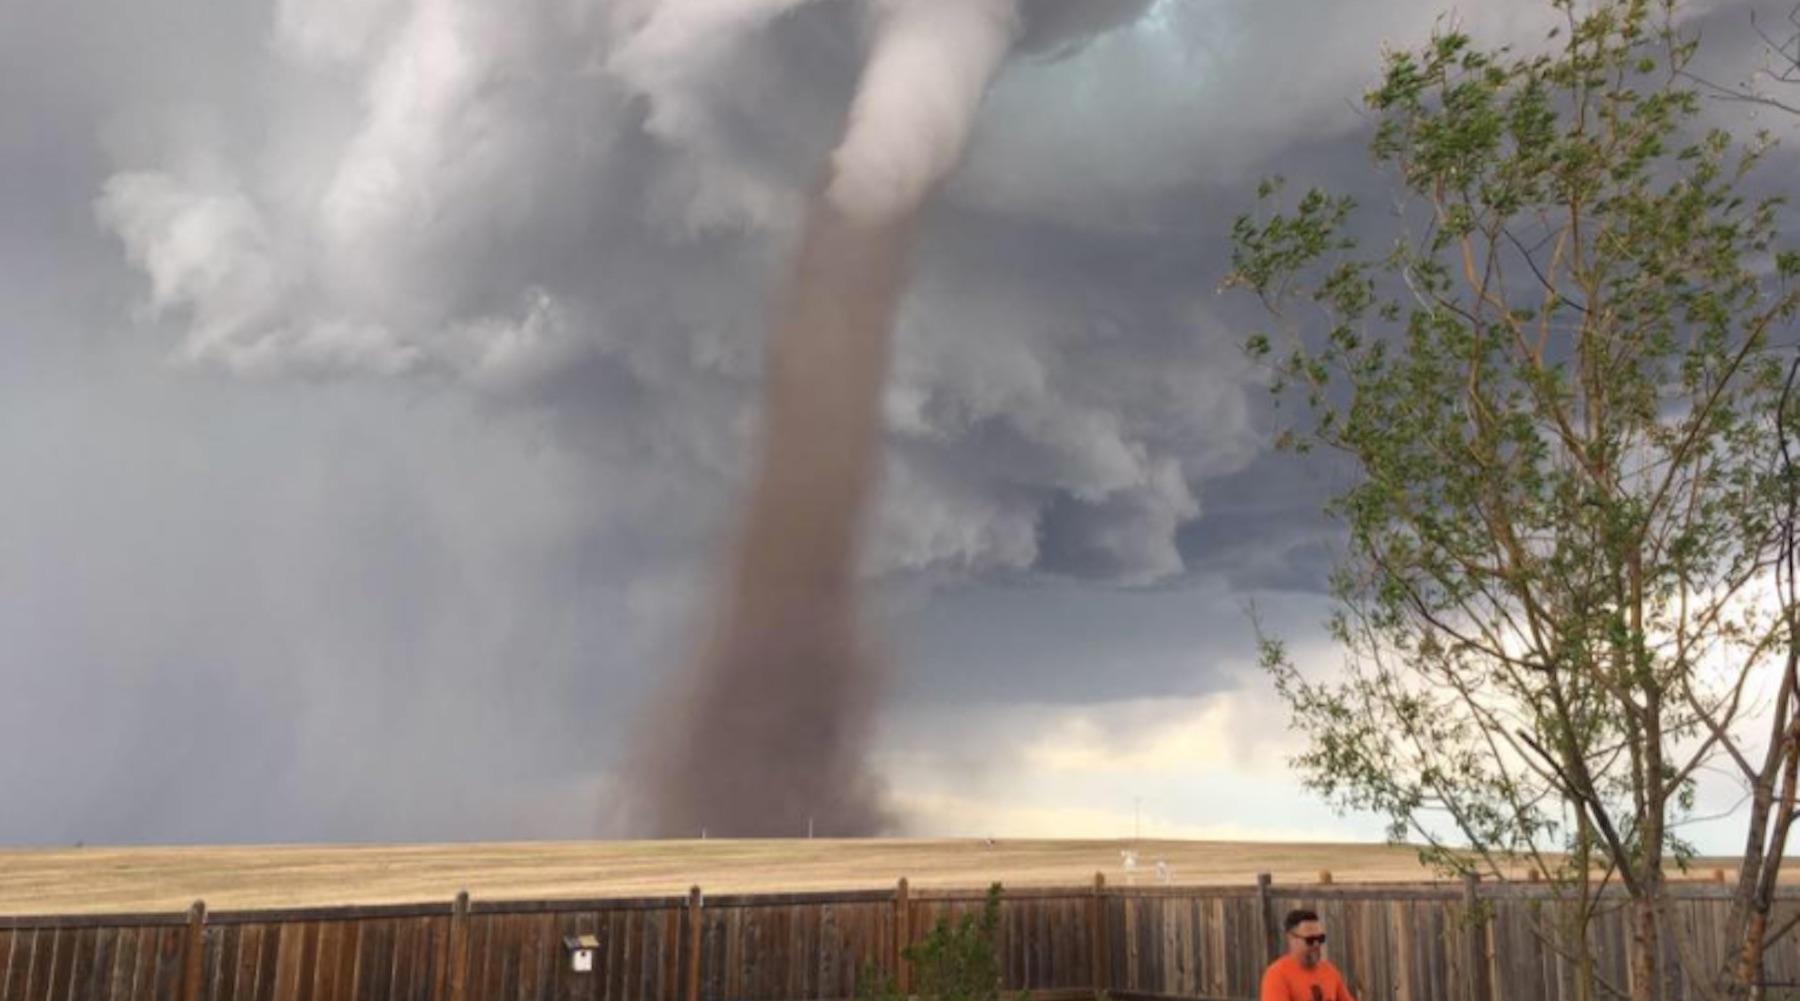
1568 577
955 961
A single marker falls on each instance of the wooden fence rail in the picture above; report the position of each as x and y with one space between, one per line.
1433 942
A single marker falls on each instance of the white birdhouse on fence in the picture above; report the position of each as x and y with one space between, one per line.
581 952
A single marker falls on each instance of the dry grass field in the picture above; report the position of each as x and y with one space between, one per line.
100 880
92 879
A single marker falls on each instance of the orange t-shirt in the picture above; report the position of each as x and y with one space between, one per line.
1287 980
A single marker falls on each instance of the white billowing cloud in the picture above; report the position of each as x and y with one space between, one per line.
580 209
693 64
332 31
505 354
1018 383
672 52
212 259
936 519
696 195
481 141
207 252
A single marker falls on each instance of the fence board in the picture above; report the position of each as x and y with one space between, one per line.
18 964
43 961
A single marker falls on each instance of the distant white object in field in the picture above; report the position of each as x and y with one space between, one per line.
1129 858
1162 872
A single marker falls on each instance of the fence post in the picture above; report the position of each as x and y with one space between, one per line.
193 962
457 962
902 936
695 901
1265 916
1476 954
1097 934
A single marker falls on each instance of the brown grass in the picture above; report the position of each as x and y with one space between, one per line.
81 880
90 880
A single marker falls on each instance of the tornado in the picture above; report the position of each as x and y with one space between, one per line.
766 733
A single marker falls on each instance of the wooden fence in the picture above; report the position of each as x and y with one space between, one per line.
1394 943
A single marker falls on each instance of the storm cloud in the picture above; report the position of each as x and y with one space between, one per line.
379 375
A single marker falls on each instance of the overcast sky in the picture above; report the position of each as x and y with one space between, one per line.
375 377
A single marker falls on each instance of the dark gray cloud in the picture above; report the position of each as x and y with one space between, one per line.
377 377
1055 642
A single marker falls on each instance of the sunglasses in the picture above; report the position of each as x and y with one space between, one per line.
1310 939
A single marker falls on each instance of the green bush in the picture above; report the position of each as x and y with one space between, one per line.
955 962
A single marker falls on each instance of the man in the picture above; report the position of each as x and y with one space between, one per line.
1304 974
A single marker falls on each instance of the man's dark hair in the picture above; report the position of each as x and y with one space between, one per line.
1298 917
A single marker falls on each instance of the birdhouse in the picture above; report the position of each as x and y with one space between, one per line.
581 952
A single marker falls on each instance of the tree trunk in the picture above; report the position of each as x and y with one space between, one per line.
1647 965
1750 966
1584 910
1645 969
1756 929
1750 906
1750 923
